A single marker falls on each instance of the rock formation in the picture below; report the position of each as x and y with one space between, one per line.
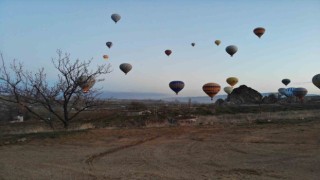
244 95
271 99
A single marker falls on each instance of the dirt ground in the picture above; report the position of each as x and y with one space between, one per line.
219 151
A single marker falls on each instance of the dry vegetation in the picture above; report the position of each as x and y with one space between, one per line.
109 143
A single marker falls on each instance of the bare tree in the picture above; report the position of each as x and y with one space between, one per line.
64 99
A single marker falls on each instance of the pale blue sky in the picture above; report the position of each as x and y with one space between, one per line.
31 31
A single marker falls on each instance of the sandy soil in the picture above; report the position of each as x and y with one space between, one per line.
251 151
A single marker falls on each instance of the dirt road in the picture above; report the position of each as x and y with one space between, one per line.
252 151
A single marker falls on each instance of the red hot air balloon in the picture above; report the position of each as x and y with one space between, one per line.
300 92
259 31
168 52
85 83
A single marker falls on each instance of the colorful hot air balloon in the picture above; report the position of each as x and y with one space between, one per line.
86 83
316 80
282 91
231 50
193 44
109 44
228 89
232 81
300 92
176 86
105 57
289 92
115 17
286 81
259 31
125 67
168 52
217 42
211 89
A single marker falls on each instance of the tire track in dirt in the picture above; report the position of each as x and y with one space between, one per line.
173 157
93 157
168 159
64 167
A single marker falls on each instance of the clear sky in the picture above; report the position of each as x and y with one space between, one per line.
31 31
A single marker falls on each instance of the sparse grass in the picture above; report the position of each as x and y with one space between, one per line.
246 114
204 110
284 121
264 108
13 139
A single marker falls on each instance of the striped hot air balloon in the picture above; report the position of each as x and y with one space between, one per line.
289 92
176 86
211 89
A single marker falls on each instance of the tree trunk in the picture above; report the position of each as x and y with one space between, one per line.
66 115
66 124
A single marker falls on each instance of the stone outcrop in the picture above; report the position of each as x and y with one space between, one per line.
244 95
271 99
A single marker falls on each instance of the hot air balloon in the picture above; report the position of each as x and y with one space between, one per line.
232 81
231 50
289 92
228 89
86 83
109 44
105 57
300 92
211 89
286 81
259 31
125 67
176 86
168 52
316 80
115 17
281 91
217 42
193 44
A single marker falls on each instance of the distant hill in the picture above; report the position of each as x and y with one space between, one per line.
198 99
158 96
133 95
167 97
